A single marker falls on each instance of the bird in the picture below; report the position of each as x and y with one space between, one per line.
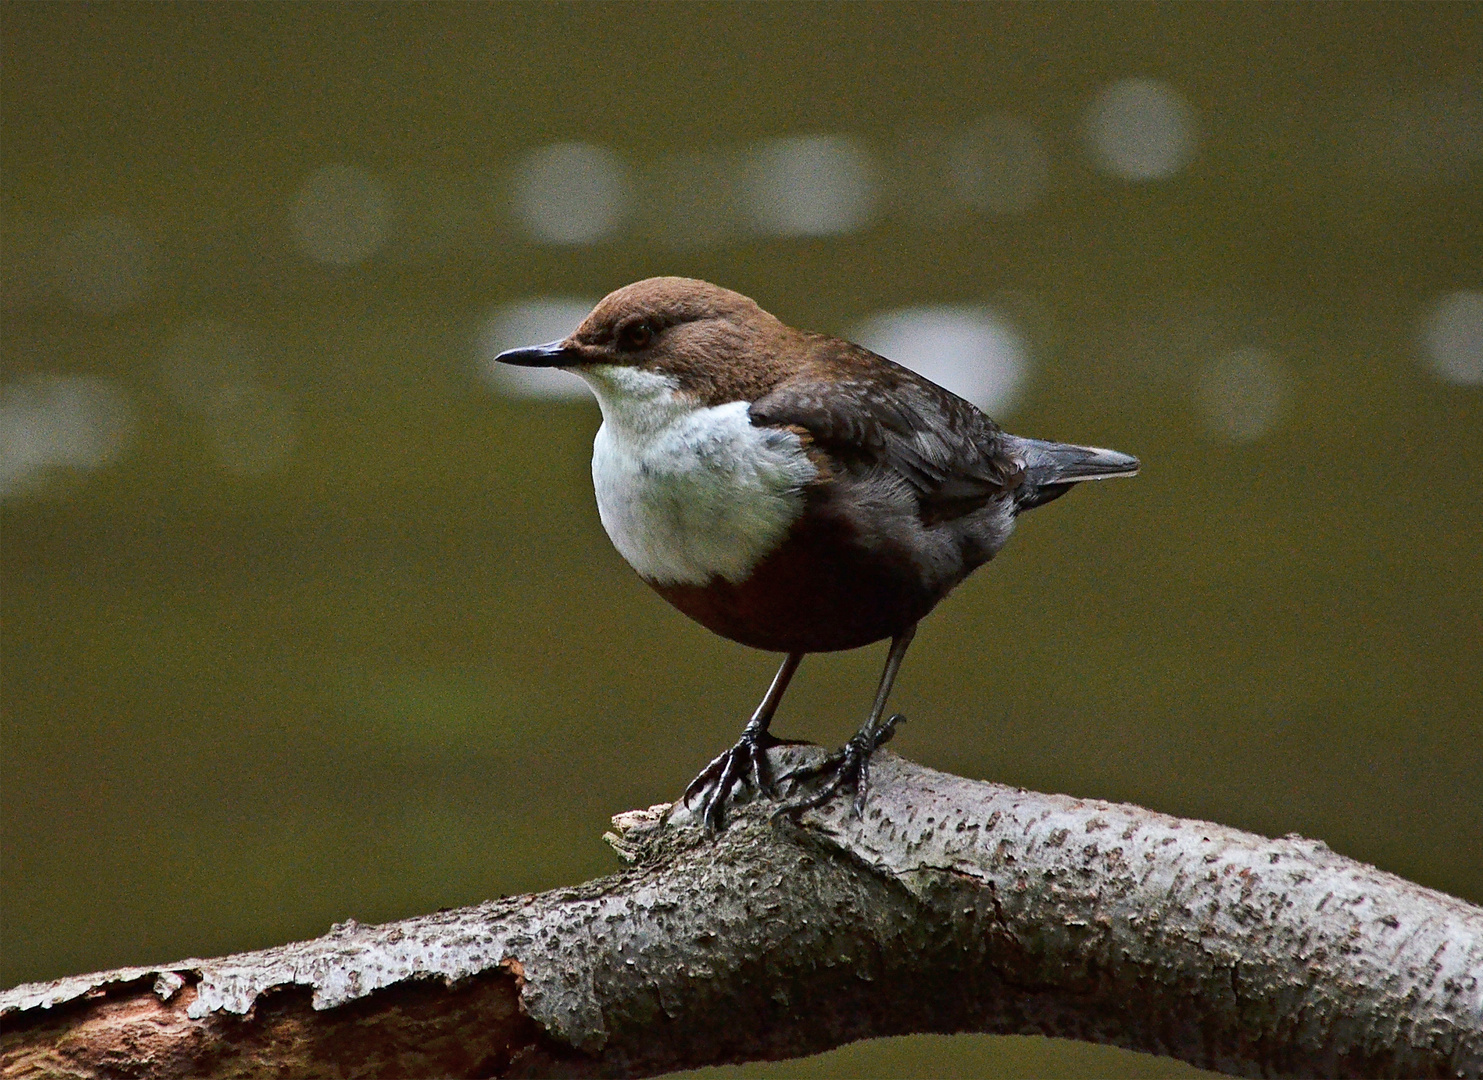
793 492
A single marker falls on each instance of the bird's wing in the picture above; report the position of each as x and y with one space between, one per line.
864 410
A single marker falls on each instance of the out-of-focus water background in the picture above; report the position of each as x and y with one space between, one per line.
307 611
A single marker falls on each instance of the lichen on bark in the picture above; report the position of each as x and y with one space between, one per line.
951 905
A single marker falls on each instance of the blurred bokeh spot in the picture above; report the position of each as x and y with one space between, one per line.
1243 394
536 321
810 185
1418 135
571 193
1453 338
341 215
212 371
1141 129
51 423
967 348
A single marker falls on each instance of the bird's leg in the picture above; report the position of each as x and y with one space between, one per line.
747 760
850 767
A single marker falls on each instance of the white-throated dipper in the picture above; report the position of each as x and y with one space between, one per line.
792 491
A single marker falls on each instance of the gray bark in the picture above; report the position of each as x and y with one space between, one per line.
953 905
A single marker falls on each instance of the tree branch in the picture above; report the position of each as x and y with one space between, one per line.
954 905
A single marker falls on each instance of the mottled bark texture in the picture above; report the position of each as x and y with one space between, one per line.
954 905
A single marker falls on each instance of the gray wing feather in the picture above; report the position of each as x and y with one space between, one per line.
950 454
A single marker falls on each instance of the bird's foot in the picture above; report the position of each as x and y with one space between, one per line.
744 763
847 768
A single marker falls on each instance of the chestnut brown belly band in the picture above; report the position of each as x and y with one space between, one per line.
818 592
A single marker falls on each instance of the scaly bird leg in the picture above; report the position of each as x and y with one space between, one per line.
747 760
850 766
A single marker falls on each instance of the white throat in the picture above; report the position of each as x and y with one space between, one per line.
688 492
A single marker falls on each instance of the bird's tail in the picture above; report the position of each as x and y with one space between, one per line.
1052 468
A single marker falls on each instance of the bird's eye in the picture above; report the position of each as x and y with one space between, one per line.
635 335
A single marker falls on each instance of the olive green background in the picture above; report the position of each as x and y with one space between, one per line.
404 669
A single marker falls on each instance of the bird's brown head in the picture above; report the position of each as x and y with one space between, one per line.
717 345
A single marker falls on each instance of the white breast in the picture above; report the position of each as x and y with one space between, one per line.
690 493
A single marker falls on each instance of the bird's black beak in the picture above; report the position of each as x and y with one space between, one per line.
552 354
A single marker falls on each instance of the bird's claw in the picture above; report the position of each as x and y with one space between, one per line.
850 768
744 763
